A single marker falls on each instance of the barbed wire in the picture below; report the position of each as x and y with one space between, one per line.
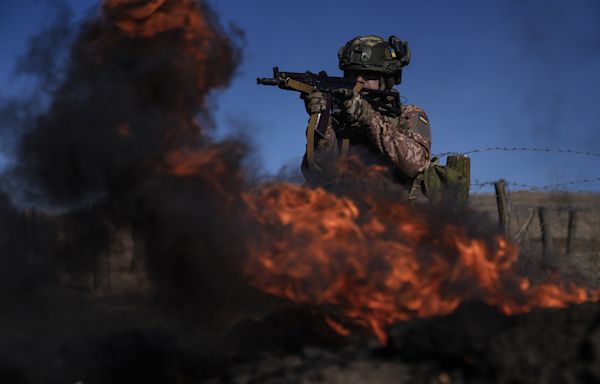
532 188
557 207
521 149
528 187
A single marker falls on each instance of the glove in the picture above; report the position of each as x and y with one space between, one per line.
344 93
350 102
316 102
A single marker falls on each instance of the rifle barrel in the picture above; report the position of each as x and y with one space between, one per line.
266 81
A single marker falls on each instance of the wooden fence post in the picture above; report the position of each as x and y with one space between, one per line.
571 231
518 237
503 207
462 164
546 233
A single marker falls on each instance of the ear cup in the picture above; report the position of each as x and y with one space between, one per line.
401 49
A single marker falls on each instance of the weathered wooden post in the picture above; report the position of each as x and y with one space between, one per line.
462 164
546 233
503 207
571 231
522 233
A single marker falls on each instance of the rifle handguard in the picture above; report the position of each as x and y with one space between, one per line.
299 86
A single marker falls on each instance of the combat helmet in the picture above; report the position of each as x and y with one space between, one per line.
375 54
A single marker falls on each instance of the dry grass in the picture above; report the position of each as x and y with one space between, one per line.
583 263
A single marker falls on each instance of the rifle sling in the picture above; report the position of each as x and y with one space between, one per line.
312 122
346 141
358 87
324 117
310 141
345 148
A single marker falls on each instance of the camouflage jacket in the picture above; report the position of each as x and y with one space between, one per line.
400 143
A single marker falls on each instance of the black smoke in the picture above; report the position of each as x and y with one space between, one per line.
92 162
92 159
123 105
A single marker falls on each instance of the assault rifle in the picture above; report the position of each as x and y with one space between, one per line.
307 82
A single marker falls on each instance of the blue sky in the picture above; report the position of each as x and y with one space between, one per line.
488 73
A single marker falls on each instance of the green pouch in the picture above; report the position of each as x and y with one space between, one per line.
448 182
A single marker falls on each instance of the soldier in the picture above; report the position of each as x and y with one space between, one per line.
362 129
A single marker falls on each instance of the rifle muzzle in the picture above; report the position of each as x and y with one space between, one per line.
267 81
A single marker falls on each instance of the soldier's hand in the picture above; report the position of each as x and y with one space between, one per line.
351 101
347 97
315 102
344 93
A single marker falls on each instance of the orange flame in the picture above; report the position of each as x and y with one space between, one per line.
203 49
376 261
149 18
208 165
204 55
380 261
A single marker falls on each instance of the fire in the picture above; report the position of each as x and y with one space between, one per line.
149 18
203 50
209 166
373 261
188 56
380 262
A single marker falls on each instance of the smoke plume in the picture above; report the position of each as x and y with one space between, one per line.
119 162
121 144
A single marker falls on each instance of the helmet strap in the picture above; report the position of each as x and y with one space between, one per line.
389 82
398 77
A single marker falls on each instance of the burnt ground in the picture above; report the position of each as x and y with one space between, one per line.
106 325
476 344
118 340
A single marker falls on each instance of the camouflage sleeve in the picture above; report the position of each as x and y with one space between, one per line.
405 142
326 170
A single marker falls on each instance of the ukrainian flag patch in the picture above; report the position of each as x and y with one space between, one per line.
423 119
